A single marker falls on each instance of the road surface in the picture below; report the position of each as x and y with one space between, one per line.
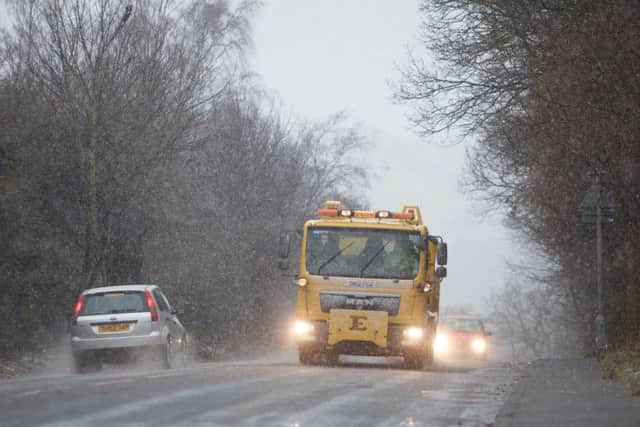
267 393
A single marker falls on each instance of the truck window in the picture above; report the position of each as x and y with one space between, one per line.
352 252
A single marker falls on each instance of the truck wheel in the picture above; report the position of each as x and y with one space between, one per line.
305 356
414 360
332 357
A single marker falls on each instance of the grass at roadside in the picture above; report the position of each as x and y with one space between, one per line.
623 366
17 366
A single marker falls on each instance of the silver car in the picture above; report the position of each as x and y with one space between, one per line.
122 319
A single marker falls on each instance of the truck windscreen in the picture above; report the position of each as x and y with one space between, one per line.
356 252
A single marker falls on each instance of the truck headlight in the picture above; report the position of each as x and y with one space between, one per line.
413 332
301 328
479 345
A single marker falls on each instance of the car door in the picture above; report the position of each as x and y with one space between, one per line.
164 316
175 327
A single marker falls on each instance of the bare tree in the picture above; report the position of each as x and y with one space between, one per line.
118 73
137 148
547 89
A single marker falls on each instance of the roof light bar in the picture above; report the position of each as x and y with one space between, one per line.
327 212
364 214
333 209
409 215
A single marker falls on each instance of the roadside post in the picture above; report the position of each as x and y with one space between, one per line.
598 207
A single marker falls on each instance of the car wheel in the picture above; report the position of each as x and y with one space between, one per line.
173 355
97 364
181 355
184 353
78 363
165 356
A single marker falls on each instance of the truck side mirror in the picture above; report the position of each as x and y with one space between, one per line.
442 253
423 244
284 245
441 272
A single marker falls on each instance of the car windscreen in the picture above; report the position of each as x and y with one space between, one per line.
357 252
462 325
114 302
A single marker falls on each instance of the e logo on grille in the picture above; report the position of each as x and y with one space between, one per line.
358 323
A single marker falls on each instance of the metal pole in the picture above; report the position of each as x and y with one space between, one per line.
599 255
601 336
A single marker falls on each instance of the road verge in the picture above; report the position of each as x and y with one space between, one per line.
568 392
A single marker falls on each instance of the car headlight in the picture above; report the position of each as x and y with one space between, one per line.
413 332
479 345
300 328
441 343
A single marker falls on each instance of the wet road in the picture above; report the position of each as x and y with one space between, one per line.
269 393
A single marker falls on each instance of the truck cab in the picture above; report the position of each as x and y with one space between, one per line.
368 283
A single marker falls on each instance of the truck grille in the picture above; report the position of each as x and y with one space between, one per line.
360 301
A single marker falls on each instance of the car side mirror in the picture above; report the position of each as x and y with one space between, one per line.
283 245
441 272
442 254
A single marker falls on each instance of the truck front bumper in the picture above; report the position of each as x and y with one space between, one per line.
397 342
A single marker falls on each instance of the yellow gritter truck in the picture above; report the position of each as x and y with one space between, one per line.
368 284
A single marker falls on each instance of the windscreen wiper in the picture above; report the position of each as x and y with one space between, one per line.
374 257
324 264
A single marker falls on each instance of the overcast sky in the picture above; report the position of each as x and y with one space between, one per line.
331 55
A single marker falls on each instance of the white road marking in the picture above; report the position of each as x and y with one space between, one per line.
162 376
121 381
28 393
141 406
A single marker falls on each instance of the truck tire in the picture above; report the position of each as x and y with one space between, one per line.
414 360
305 356
332 357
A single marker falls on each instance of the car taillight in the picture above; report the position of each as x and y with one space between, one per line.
151 303
77 309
